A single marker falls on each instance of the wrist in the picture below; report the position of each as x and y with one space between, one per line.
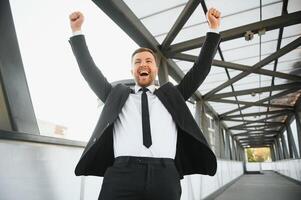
76 30
216 30
214 27
74 33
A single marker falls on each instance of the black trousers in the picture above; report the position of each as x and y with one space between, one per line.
141 178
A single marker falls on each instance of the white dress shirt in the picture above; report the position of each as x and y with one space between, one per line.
127 132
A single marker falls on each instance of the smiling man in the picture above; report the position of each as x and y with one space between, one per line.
146 139
144 65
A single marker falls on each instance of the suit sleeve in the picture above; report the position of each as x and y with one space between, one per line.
96 80
197 74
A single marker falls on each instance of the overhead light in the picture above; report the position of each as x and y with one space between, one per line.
261 32
249 35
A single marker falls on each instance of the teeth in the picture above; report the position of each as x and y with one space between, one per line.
143 72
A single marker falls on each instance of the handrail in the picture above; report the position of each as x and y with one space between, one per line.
27 137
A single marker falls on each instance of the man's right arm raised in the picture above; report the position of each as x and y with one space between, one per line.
96 80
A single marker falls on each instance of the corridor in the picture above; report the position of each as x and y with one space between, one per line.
265 186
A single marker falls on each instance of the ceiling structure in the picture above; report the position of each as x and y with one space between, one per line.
255 79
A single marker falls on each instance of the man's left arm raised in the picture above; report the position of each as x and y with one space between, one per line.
201 68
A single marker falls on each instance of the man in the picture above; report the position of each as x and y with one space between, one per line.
146 139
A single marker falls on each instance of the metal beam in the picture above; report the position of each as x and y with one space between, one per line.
256 90
266 118
248 134
251 103
260 145
284 112
20 110
240 67
252 122
266 72
163 72
256 126
249 121
264 100
256 131
256 136
289 47
181 20
268 25
280 35
257 142
260 130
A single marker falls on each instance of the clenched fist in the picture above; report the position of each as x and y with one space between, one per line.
76 21
213 18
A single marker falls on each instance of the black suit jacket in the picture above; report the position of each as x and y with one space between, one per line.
193 154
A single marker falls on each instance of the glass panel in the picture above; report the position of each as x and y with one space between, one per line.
295 134
64 104
280 146
147 8
286 140
231 148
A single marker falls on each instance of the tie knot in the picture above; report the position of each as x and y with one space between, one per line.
144 89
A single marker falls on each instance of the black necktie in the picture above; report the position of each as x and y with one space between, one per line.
147 139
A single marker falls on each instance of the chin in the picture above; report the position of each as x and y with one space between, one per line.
144 84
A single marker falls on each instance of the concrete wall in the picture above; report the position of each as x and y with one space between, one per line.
35 171
290 168
196 187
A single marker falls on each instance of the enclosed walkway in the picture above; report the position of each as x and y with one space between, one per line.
251 97
265 186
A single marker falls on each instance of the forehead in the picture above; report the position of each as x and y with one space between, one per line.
143 55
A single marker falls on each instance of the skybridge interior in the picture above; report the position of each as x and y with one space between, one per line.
251 98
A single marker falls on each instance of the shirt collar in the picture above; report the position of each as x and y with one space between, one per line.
151 88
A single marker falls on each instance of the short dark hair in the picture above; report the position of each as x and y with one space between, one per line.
143 49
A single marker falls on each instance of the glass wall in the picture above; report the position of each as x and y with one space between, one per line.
295 134
286 139
211 132
64 104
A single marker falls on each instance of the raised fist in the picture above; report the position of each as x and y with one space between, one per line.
214 18
76 21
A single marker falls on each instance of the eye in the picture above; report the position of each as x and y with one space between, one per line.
149 61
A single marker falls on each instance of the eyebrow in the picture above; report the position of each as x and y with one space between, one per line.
138 59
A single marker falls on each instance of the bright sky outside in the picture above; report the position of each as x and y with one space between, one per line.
59 93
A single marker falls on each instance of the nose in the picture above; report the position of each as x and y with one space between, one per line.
143 63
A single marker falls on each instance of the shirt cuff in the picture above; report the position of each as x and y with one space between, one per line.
213 30
75 33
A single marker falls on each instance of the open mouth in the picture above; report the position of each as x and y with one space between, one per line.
143 73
